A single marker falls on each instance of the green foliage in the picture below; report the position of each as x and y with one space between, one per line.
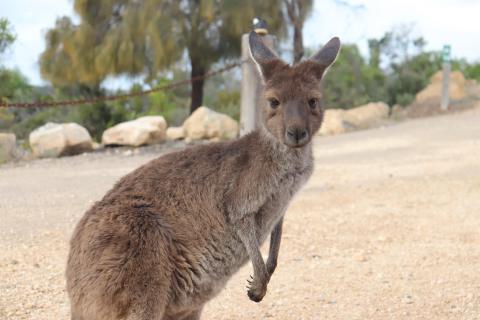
352 82
29 122
470 70
410 76
14 85
156 103
229 100
223 94
94 117
7 36
409 67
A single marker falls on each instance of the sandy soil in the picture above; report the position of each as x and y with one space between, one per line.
387 228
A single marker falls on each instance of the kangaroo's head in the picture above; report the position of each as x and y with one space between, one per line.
291 103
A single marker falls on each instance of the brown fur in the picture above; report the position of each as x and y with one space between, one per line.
169 235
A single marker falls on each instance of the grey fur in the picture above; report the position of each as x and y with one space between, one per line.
169 235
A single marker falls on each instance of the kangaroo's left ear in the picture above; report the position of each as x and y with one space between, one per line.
327 55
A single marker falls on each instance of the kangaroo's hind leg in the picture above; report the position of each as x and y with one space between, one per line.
150 307
142 273
148 282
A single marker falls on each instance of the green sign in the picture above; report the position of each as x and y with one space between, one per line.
446 53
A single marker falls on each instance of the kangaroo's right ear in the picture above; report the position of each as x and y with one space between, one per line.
326 56
265 59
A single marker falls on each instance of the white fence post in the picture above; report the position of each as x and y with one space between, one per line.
251 82
446 77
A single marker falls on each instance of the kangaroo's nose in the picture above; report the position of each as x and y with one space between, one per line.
297 136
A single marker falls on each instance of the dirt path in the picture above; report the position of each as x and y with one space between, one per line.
387 228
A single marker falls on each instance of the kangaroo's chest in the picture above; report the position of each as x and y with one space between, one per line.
224 254
276 205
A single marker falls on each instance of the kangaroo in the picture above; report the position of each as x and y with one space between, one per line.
169 235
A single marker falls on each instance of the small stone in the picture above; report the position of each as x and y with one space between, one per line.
360 257
97 146
384 239
407 299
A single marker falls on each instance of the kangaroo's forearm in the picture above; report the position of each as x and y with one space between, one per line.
275 238
247 234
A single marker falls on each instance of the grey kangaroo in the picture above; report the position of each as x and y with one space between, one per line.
169 235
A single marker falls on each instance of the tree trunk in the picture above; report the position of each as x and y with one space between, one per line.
297 43
95 117
198 70
296 14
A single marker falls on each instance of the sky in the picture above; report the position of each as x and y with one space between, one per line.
438 21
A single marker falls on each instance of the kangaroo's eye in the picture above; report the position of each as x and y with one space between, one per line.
313 103
274 103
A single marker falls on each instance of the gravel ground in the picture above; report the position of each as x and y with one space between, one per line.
387 228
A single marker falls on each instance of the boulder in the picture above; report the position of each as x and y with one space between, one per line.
462 93
367 116
54 140
8 143
433 92
205 123
175 133
334 122
141 131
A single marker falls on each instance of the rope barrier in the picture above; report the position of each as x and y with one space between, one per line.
47 104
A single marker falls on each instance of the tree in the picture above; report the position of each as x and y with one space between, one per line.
408 77
471 70
298 11
7 36
13 85
352 81
408 67
146 37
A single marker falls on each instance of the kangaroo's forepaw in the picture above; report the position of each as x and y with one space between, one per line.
256 290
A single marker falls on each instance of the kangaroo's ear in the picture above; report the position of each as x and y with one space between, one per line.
326 56
265 59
